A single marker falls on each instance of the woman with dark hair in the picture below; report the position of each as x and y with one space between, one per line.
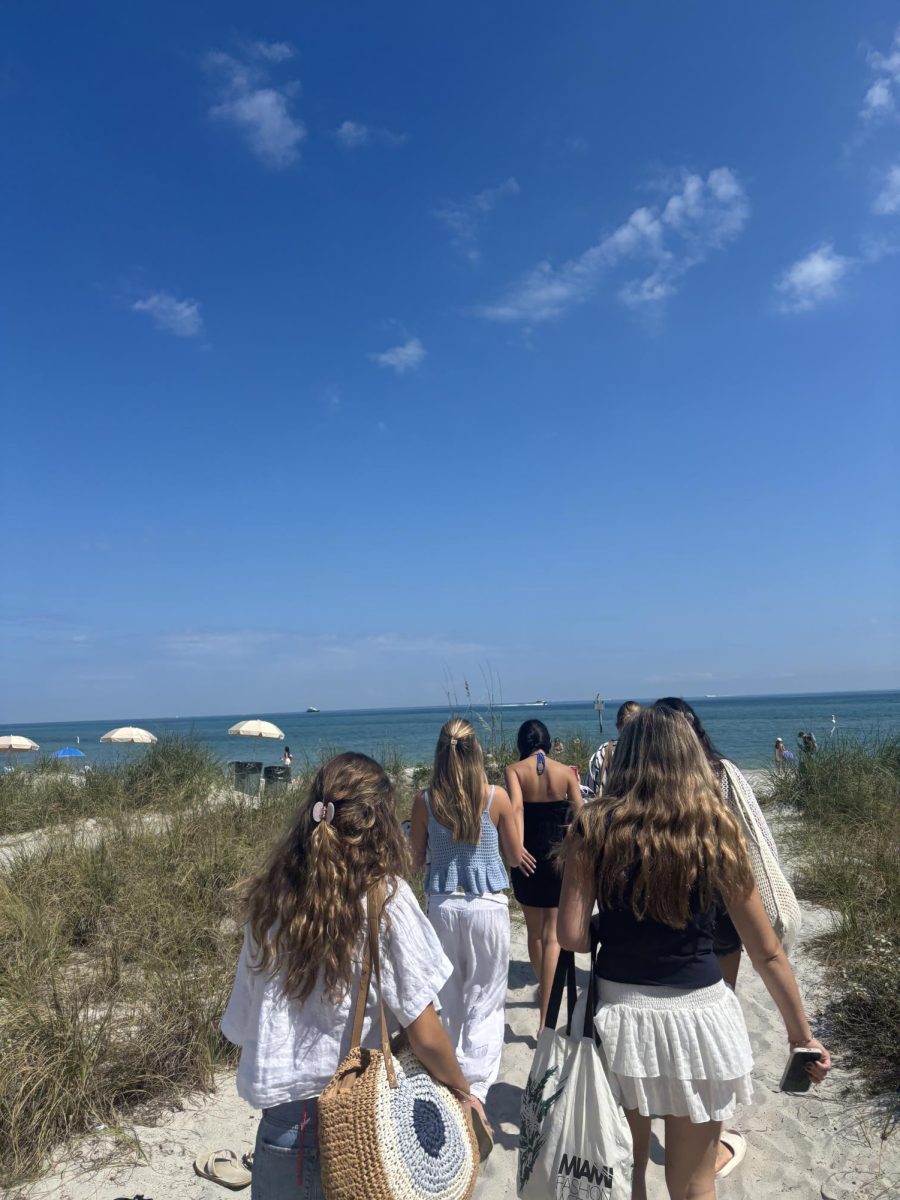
545 794
726 940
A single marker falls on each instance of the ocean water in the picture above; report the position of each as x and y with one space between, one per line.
743 727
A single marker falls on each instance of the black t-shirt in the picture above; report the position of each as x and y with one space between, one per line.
649 953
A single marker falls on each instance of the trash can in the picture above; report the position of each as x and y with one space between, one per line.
277 779
246 777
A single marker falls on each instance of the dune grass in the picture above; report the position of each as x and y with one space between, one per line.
847 844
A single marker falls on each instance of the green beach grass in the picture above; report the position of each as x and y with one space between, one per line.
846 847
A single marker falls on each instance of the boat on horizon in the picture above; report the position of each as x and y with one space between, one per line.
313 709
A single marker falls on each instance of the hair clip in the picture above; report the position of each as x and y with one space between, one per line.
323 812
453 741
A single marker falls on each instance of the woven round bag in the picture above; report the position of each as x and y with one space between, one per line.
387 1129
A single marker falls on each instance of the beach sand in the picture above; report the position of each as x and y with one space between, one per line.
824 1145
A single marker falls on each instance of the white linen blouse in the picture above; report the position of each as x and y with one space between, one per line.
290 1051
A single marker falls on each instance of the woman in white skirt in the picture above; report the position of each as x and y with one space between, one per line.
655 854
459 822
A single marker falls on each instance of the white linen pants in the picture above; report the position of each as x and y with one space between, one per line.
474 933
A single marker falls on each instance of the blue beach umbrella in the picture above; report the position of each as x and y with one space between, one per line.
69 752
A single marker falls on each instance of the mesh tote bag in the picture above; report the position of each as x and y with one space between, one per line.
574 1140
776 893
387 1129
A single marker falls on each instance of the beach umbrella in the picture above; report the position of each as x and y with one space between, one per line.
69 752
260 729
127 735
14 743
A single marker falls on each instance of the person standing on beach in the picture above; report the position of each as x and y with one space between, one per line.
598 767
545 794
654 855
462 820
290 1009
726 939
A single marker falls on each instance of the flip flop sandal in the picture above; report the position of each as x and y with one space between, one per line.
737 1144
483 1135
247 1160
223 1167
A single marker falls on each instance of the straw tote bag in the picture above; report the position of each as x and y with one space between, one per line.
387 1129
776 893
574 1140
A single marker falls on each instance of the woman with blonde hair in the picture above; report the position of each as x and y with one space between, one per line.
655 854
299 968
545 793
463 821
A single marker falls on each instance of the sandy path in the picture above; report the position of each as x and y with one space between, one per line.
807 1148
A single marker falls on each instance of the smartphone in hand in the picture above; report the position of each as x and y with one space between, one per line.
795 1077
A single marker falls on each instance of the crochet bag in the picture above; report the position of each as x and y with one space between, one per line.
776 893
387 1129
574 1140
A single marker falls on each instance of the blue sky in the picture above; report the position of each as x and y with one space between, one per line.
352 347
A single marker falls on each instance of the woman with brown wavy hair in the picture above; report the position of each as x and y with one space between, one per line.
290 1008
655 854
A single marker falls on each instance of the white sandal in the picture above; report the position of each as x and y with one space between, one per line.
737 1144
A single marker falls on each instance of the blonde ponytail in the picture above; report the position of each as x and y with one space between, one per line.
458 781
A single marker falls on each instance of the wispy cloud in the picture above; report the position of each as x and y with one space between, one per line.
887 202
813 279
259 109
881 98
701 216
273 51
181 317
463 218
353 134
402 358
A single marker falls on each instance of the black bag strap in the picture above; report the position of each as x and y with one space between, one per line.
563 978
590 1009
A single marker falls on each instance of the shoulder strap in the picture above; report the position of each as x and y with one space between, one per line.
427 801
375 904
564 977
490 799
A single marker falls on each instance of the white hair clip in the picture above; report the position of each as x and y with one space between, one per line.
323 812
453 741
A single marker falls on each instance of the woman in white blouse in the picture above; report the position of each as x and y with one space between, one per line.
290 1008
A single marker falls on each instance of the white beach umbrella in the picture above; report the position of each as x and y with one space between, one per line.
131 735
15 743
256 729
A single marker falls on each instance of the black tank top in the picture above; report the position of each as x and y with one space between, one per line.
652 954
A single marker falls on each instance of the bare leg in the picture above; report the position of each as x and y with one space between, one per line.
691 1158
549 959
640 1137
730 964
534 920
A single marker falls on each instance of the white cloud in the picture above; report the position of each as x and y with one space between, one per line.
260 110
887 202
881 98
813 279
181 317
353 134
273 51
463 218
402 358
701 216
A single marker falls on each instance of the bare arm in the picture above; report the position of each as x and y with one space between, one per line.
573 791
514 788
433 1049
576 903
510 836
418 832
771 964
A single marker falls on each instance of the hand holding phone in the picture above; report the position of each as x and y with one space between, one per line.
796 1077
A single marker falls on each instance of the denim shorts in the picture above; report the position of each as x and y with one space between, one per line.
286 1158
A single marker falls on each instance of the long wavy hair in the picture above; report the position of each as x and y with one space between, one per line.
676 704
458 781
660 832
305 907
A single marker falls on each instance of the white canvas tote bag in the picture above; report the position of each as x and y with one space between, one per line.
574 1140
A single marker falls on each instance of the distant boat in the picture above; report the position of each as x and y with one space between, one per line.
537 704
313 710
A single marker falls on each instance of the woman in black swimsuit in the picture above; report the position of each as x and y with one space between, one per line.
545 795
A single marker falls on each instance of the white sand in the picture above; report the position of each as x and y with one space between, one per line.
822 1146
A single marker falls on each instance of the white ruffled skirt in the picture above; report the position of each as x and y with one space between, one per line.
676 1051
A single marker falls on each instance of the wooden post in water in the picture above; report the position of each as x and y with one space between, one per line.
598 708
